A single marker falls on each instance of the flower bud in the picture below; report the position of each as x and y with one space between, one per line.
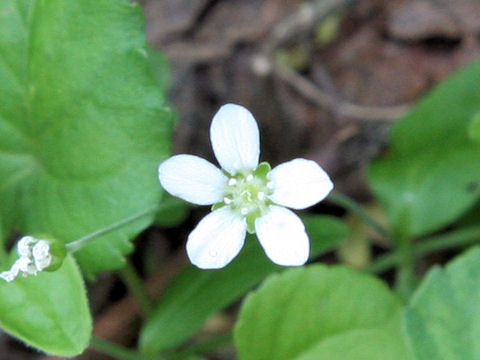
35 255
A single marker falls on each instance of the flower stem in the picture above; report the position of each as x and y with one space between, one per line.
114 350
79 243
354 207
135 285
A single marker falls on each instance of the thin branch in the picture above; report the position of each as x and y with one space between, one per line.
321 98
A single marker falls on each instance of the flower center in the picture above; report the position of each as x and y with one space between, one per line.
247 194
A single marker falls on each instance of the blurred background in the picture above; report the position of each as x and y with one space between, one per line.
325 79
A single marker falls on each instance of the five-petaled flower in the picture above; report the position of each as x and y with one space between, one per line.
246 195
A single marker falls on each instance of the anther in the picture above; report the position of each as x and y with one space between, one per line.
249 177
227 200
232 182
261 196
244 211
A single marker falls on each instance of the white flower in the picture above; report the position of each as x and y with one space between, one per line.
247 196
34 256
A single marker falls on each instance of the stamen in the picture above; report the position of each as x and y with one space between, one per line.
227 200
232 182
249 177
261 196
244 211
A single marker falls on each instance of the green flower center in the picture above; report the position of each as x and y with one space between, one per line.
247 194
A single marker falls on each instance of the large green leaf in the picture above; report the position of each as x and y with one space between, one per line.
320 313
48 311
196 294
83 123
432 174
443 318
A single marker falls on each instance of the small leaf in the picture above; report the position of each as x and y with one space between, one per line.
443 318
426 181
48 311
196 294
320 313
83 124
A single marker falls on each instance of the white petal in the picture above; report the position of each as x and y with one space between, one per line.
235 138
282 235
217 239
24 246
193 179
299 183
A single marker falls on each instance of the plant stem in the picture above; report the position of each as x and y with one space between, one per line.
405 278
135 285
461 237
383 263
78 244
354 207
204 347
114 350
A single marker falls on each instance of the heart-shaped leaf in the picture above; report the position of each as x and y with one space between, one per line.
83 125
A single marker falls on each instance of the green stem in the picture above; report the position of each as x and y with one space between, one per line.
78 244
383 263
354 207
114 350
461 237
135 284
405 277
204 346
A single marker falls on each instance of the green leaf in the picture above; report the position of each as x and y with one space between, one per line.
48 311
474 128
443 318
431 176
319 312
196 294
83 124
382 342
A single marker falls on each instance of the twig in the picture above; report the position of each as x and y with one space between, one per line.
325 100
306 17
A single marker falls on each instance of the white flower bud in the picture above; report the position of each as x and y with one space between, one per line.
35 255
